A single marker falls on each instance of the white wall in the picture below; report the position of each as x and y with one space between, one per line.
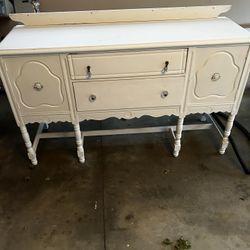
240 11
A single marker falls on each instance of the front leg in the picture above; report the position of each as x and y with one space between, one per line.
79 143
177 144
227 133
30 150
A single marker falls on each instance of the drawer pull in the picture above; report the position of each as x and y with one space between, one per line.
165 69
92 98
215 77
164 94
89 72
38 86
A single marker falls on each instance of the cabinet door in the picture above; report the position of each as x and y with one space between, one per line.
37 84
216 75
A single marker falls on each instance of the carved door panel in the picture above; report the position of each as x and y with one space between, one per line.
37 83
216 75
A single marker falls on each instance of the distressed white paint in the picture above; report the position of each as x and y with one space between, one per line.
239 11
31 152
128 75
122 15
114 65
128 94
177 144
79 143
227 133
83 38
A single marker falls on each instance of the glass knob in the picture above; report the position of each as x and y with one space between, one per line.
215 77
164 94
38 86
92 98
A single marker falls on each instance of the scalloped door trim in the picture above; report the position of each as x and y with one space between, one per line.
209 109
220 62
50 95
130 113
46 119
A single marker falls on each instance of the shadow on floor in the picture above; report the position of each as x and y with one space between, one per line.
130 194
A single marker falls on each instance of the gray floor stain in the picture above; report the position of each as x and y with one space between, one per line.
130 194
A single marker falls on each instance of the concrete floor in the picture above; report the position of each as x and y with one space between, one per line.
130 194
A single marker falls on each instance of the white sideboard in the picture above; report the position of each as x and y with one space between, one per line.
125 65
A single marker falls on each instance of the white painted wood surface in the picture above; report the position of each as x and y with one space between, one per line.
79 143
227 132
30 151
227 63
98 71
46 72
128 93
239 11
151 63
122 15
98 37
177 143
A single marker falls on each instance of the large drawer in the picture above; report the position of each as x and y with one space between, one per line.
127 94
146 63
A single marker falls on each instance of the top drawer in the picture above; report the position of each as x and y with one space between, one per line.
143 63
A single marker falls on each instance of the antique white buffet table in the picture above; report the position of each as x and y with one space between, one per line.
75 66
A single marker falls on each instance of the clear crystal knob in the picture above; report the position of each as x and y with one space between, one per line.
38 86
92 98
215 77
164 94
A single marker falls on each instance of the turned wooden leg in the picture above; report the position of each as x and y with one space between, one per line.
227 133
177 144
79 143
26 138
46 126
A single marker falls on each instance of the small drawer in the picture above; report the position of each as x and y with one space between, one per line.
109 65
128 94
